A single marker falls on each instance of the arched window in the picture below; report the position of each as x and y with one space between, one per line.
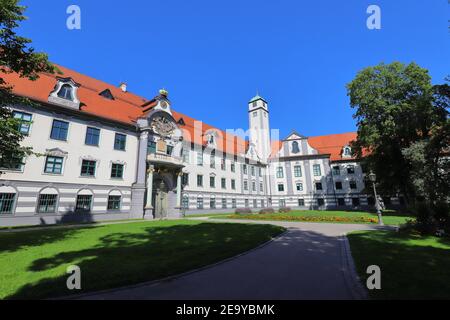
347 151
295 148
48 201
66 92
7 200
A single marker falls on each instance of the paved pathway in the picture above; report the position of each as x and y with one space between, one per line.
309 261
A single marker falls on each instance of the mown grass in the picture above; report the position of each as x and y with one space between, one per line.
412 266
34 263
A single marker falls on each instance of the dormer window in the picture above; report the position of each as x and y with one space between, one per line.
107 94
347 152
66 92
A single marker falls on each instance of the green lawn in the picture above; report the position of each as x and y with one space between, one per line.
33 263
412 266
390 218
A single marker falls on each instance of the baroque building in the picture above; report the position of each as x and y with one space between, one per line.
105 153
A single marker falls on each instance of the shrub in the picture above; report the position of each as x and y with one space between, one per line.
425 221
284 210
243 211
267 211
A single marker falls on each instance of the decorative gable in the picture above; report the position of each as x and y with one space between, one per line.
65 93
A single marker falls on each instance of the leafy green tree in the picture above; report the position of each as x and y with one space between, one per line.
402 122
17 56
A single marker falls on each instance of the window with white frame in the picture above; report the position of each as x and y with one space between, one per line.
297 171
280 173
316 170
7 202
47 203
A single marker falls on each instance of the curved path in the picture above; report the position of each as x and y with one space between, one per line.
309 261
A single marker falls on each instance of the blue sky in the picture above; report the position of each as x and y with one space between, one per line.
213 55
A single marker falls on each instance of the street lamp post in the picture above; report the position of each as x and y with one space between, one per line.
373 178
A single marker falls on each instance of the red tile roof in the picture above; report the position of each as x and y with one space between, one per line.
126 106
331 144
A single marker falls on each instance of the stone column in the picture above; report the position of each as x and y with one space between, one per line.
138 188
148 203
179 175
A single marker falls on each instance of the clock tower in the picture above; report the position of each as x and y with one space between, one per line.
258 114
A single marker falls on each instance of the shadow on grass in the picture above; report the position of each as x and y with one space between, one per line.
150 253
412 267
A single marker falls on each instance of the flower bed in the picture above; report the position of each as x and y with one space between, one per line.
287 217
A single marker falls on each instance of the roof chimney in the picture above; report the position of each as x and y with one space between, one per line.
123 86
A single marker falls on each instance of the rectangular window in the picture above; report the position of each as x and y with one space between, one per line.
280 187
301 202
233 167
316 170
224 203
282 203
185 179
114 202
7 203
25 121
212 160
84 203
260 171
262 203
280 173
169 150
336 170
212 182
246 203
255 203
338 185
92 136
245 185
151 147
117 171
261 187
223 164
199 203
351 169
199 180
253 186
224 183
355 202
320 202
244 168
53 165
47 203
59 130
200 158
233 184
88 168
185 153
341 202
318 185
299 186
14 164
297 171
233 203
185 202
212 203
120 142
353 185
252 171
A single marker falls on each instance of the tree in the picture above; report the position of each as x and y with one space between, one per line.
402 125
17 56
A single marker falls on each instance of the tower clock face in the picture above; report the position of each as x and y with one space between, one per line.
164 105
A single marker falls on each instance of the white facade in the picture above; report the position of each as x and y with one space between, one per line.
88 173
